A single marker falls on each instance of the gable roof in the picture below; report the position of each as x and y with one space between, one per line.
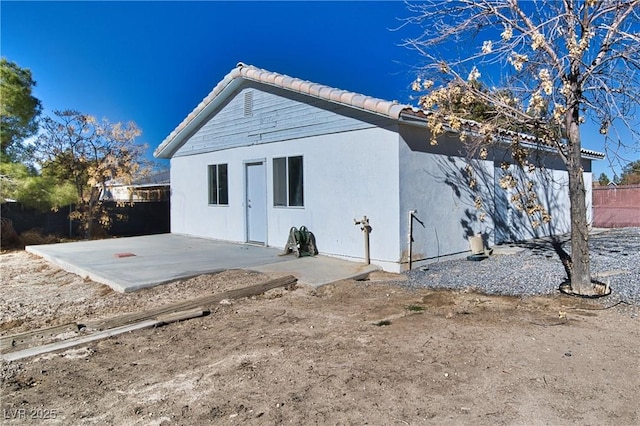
390 109
242 72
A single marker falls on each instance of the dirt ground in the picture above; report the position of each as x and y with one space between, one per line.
353 352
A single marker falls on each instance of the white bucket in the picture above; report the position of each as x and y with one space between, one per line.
477 245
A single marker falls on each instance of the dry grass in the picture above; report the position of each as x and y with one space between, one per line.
34 237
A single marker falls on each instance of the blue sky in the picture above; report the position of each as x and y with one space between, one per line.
153 62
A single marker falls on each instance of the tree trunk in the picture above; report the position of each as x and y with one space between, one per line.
88 218
581 269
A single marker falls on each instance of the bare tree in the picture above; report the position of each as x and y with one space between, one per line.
553 64
77 148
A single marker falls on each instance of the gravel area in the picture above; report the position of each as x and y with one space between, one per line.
537 270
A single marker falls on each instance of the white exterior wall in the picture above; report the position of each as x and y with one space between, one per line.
433 183
355 164
588 184
551 188
346 176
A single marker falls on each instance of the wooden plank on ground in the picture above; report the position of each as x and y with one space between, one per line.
161 315
203 301
28 338
182 315
69 343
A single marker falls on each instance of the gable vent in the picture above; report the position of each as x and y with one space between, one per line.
248 104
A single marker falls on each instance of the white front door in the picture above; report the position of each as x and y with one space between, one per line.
256 202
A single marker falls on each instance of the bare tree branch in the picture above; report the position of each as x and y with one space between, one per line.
561 63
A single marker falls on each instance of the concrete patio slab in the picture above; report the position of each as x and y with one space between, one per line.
318 270
130 264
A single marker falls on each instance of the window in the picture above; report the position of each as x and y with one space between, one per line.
288 189
218 184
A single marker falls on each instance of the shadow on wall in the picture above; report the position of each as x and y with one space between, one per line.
472 184
534 205
504 202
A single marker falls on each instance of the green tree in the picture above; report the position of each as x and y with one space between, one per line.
564 62
23 184
603 179
19 109
631 173
616 179
76 148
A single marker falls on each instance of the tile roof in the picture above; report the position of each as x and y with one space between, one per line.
391 109
355 100
420 115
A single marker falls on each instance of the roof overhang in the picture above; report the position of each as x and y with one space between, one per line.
197 117
242 72
419 117
405 114
592 155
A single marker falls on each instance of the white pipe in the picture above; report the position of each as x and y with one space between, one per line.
367 229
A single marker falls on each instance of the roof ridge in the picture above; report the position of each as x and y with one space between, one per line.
385 108
371 104
390 109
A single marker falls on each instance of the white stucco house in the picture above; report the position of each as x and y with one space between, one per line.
264 152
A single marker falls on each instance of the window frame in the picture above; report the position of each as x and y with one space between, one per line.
284 193
218 184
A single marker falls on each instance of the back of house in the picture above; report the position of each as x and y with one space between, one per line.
264 152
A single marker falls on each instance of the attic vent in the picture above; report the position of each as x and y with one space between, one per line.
248 104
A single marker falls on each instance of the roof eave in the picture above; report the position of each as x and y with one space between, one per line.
415 117
592 155
242 72
197 117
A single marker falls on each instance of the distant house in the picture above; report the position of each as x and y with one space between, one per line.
155 187
264 152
